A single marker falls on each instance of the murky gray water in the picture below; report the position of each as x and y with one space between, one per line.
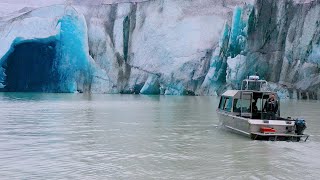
75 136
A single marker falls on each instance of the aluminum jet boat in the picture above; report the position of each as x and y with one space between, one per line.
244 112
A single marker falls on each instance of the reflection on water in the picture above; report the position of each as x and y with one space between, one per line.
76 136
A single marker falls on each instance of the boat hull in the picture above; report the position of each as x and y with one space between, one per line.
284 129
237 125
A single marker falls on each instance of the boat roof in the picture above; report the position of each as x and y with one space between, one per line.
246 89
230 93
254 80
236 93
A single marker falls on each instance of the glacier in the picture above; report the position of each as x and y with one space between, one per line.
170 47
57 63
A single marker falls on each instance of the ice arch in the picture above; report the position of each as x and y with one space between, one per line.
29 66
58 63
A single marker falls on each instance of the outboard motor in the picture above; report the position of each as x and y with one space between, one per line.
300 126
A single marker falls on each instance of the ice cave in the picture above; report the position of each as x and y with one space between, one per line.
29 67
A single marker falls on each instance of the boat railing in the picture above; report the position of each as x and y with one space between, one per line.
253 83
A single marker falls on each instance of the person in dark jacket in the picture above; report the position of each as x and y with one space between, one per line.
271 107
254 107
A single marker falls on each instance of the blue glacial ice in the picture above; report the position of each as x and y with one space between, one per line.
151 86
73 64
58 63
28 66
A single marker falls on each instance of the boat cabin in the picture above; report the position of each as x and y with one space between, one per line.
249 101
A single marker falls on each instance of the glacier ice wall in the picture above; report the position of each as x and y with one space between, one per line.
73 61
56 62
282 45
176 47
170 41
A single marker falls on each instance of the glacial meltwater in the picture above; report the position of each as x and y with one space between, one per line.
78 136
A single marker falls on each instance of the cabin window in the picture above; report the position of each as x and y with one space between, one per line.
222 102
236 105
228 104
259 104
264 100
225 104
245 105
254 85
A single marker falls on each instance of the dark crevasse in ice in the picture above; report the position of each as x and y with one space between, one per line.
29 67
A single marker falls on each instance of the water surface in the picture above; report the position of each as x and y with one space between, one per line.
77 136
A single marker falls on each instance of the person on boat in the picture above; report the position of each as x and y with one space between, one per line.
254 107
271 107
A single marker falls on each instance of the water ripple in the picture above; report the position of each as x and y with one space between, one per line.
63 136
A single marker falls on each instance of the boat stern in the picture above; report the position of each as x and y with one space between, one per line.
277 130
